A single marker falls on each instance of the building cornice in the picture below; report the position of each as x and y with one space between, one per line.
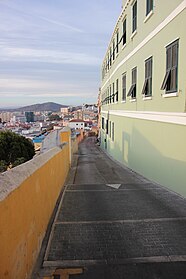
166 117
116 26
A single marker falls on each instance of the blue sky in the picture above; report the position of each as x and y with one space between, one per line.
52 50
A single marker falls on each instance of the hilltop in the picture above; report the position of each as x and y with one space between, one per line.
49 106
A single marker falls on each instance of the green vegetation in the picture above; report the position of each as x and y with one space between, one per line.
14 150
54 117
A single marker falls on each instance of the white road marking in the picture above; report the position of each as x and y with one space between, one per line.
115 186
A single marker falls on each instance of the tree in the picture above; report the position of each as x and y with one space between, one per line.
3 166
54 117
14 149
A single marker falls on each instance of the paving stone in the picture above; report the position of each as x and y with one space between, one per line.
121 205
101 187
117 240
135 271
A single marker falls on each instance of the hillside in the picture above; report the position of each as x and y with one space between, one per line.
50 106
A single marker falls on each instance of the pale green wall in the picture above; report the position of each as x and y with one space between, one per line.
154 149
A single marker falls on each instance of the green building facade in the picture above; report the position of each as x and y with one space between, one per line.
143 91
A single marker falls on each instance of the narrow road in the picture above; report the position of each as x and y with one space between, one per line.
113 223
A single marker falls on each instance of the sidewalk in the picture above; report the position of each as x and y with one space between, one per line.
113 223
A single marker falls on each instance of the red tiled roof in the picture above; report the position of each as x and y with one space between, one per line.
76 120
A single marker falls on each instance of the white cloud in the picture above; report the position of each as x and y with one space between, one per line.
44 84
66 26
14 87
43 95
46 55
11 83
58 95
37 17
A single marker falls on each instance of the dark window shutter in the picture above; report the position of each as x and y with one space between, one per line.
166 78
145 87
130 93
124 87
124 32
169 58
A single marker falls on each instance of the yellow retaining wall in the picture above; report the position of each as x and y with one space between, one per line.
26 208
74 145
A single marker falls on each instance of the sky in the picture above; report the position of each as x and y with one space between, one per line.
52 50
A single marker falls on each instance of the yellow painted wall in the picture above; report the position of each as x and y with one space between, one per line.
74 145
25 213
65 136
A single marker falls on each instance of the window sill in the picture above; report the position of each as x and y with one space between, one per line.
148 16
169 95
123 102
132 100
146 98
133 34
124 46
117 54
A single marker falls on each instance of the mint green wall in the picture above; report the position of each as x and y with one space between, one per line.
154 149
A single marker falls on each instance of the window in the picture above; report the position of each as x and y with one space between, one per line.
110 56
113 46
117 83
132 91
108 62
147 87
107 126
117 42
102 123
124 87
113 92
134 17
170 82
110 127
124 32
149 6
110 95
112 131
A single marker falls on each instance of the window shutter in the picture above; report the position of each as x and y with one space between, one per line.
124 87
124 32
134 73
175 55
169 58
145 87
165 81
130 93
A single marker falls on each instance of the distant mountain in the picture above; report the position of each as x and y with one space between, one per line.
50 106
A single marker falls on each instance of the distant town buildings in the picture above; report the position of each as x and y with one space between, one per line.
6 116
29 116
76 124
78 114
64 110
35 125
